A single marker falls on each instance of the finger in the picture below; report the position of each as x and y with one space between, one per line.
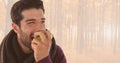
35 47
35 44
34 41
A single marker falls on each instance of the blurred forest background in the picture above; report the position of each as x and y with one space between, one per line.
87 30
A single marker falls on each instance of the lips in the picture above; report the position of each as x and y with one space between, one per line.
32 36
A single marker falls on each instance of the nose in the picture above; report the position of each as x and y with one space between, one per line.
40 26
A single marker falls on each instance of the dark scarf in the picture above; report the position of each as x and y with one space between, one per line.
10 51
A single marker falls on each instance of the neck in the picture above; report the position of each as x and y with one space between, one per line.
25 49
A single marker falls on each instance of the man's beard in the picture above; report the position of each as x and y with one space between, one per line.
25 40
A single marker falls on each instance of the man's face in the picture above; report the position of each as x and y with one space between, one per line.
33 21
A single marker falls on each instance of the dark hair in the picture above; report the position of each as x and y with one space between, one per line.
22 5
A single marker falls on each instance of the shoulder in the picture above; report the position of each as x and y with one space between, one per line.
59 49
59 56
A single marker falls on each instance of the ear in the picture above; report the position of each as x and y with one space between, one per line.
15 28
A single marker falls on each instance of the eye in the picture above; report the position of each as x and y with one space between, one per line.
43 21
31 22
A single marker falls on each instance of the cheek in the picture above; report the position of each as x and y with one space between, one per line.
26 32
26 29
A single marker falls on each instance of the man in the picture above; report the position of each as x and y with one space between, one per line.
29 41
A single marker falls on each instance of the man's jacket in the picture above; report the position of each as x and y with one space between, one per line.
10 52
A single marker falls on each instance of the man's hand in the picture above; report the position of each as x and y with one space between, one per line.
41 47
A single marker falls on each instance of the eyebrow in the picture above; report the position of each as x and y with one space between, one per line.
30 20
43 19
35 19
